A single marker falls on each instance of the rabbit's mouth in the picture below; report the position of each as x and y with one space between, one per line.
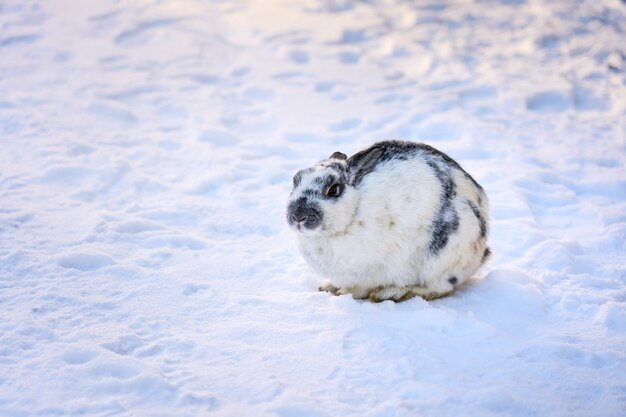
304 215
302 229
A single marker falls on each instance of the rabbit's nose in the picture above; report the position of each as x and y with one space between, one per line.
299 216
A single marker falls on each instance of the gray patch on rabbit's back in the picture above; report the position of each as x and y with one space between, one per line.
446 220
402 151
445 224
481 221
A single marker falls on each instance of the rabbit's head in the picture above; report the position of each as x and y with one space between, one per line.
325 197
322 201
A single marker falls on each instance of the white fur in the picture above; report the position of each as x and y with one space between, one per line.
377 235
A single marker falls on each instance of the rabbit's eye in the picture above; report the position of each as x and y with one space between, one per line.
334 190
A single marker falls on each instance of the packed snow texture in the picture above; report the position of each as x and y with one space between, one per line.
147 153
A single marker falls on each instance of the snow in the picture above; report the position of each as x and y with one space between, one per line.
147 153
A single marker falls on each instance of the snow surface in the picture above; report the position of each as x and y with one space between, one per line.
147 153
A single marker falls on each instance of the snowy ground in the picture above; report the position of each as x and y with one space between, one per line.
147 149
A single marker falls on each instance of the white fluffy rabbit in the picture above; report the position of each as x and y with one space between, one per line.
393 221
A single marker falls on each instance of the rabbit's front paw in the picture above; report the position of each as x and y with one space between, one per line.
391 293
328 286
398 294
430 293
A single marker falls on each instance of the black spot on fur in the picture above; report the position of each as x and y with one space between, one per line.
486 255
453 280
311 193
481 221
304 210
297 179
446 221
325 181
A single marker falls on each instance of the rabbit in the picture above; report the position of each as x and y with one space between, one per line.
396 220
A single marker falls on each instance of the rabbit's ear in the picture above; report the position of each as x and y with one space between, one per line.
339 155
362 163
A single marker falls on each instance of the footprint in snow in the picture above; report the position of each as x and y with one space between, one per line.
85 261
137 226
207 402
131 94
258 94
349 57
336 90
68 175
6 105
78 356
479 93
104 17
124 345
114 370
394 98
240 72
299 411
191 289
206 79
80 149
139 33
548 42
325 86
299 57
112 113
19 40
548 102
176 242
354 36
